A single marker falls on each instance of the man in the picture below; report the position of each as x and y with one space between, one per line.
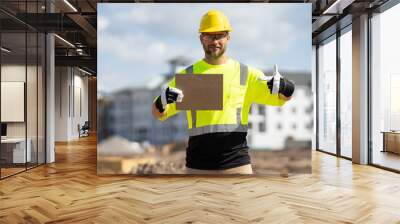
217 138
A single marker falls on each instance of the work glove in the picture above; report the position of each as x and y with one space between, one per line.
168 95
277 84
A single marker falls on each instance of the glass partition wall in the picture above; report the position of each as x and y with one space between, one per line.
334 86
327 95
334 83
13 110
22 88
385 89
345 61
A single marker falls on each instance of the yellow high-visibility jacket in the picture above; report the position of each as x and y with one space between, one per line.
242 85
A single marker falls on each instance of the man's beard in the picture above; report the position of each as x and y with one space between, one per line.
212 53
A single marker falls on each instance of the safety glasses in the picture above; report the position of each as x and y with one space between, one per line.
212 37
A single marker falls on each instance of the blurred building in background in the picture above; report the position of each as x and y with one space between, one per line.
127 113
279 127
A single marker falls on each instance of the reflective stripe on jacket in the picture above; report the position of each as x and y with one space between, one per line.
242 85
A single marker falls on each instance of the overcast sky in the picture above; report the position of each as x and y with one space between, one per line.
135 41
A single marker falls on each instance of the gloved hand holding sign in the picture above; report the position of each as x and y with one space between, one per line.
168 95
279 85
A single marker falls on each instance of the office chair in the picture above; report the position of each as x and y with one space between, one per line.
84 130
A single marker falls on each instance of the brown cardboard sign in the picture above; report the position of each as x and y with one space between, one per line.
200 91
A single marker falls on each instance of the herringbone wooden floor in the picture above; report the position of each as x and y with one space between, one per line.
69 191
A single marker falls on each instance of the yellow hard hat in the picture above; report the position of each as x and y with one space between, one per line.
214 21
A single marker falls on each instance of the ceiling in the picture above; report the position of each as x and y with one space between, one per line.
331 15
76 22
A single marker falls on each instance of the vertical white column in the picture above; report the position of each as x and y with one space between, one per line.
360 89
50 93
314 95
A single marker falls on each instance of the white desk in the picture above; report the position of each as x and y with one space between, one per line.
18 150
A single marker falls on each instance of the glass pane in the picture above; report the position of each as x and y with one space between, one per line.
327 96
41 98
13 87
31 97
346 94
12 25
31 85
386 89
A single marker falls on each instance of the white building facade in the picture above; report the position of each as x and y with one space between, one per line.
271 127
131 117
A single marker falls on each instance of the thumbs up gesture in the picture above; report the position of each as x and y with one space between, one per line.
274 82
279 85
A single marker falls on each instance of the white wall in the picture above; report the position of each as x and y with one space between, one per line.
12 73
33 126
81 104
61 103
71 94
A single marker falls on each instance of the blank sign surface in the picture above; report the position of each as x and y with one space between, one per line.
12 101
201 91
